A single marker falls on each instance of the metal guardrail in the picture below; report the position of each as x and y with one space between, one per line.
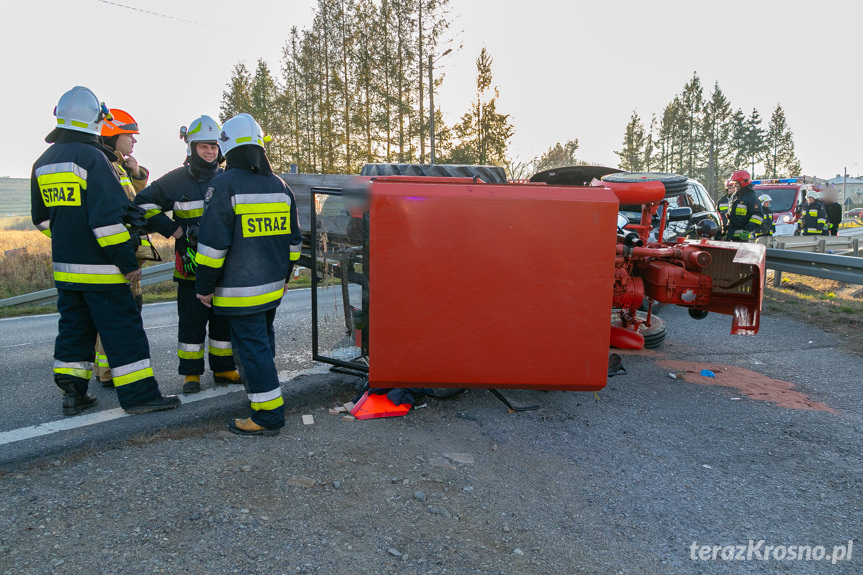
826 266
149 276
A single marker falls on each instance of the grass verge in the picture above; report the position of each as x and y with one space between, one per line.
834 307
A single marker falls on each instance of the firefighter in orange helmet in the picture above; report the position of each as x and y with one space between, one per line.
118 136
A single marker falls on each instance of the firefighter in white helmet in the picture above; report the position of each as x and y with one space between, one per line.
814 218
77 199
249 241
768 227
181 191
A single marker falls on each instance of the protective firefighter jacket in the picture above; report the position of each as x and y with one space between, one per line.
76 199
248 243
814 219
744 213
182 191
769 226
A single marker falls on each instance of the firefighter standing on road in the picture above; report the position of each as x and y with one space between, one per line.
249 241
814 218
182 191
77 200
118 136
768 227
722 207
744 211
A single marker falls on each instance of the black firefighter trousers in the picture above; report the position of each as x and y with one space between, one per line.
114 315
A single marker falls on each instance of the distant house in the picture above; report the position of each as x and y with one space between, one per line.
848 188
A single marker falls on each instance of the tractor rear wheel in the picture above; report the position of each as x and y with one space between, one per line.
653 335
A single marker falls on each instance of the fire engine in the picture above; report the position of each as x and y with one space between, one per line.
460 282
787 196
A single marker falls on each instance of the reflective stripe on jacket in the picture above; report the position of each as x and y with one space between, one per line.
249 239
76 197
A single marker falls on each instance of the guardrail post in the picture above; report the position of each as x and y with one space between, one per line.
777 274
854 243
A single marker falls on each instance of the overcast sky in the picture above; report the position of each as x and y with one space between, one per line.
565 70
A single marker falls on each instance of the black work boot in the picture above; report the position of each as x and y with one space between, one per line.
75 398
159 404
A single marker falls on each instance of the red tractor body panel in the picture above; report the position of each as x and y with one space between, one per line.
482 285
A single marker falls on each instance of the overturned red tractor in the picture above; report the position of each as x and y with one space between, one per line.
456 282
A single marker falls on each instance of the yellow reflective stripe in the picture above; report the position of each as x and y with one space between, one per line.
261 208
189 214
188 210
295 252
151 209
741 210
78 124
266 400
125 181
61 178
64 169
243 139
82 369
210 257
88 274
190 350
220 348
260 203
268 405
248 296
756 219
190 354
247 301
132 372
111 235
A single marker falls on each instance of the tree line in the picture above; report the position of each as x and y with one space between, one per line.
705 138
352 90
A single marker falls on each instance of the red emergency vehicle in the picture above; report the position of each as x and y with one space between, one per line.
787 196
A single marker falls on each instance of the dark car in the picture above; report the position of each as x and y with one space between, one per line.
692 196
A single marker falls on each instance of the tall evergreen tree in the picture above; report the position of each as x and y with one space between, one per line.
483 133
691 104
779 158
237 98
754 142
716 130
632 153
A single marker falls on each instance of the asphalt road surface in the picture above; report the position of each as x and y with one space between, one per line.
735 473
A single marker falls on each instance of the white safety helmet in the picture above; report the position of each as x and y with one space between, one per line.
79 109
203 129
764 198
241 130
812 194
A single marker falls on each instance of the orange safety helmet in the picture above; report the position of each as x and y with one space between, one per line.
741 177
121 123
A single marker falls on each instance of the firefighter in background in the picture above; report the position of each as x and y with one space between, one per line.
77 200
118 136
833 210
722 208
182 191
814 218
769 226
744 211
249 241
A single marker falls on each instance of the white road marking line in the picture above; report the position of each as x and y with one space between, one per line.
97 417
